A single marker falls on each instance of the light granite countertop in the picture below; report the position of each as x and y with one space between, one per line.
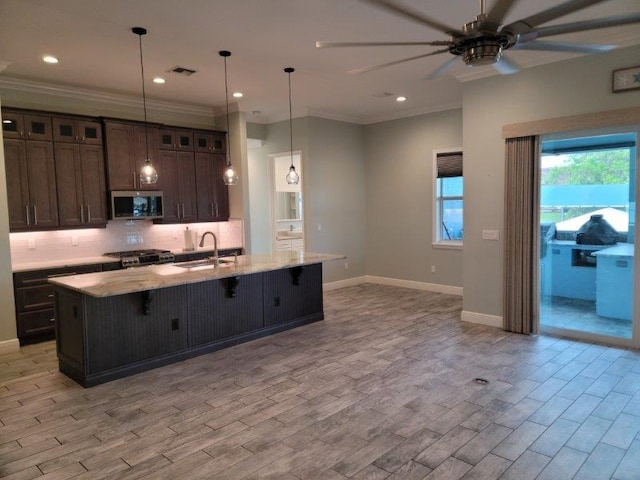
137 279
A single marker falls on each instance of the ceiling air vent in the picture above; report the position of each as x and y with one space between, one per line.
383 94
187 72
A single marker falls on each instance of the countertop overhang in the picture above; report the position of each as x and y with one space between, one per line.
138 279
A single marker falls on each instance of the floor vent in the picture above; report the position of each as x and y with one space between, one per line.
481 381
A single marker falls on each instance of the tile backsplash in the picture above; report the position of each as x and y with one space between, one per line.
119 235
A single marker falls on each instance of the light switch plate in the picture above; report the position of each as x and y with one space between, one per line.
490 235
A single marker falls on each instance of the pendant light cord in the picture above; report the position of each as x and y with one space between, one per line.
226 98
289 70
144 102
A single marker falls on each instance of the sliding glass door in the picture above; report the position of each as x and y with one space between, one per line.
587 237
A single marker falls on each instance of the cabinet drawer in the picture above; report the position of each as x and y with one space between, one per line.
39 277
34 298
34 323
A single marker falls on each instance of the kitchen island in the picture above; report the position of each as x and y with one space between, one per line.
113 324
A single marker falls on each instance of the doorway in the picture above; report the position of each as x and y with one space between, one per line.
288 219
587 264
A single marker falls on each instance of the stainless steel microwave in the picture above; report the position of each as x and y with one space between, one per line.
136 205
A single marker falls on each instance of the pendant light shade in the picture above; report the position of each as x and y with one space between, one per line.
292 177
148 174
230 175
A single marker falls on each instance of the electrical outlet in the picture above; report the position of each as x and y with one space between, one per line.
346 265
32 243
433 269
74 240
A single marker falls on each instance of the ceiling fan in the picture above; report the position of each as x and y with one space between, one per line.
484 40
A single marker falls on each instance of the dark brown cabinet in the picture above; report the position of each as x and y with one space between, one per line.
209 142
212 193
177 180
175 139
82 198
73 130
26 126
126 149
31 186
34 300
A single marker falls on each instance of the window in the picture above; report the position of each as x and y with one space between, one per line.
449 189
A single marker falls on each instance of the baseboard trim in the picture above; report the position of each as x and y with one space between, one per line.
9 346
482 319
429 287
349 282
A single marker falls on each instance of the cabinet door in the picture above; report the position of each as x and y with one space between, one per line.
90 132
69 184
121 166
205 187
42 184
166 139
187 186
93 185
221 190
12 124
203 142
184 140
15 160
65 130
168 182
37 127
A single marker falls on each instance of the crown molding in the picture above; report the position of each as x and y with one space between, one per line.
77 93
412 113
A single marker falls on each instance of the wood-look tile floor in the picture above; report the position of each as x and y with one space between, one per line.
382 389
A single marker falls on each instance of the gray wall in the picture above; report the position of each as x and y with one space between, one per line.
581 85
333 186
400 198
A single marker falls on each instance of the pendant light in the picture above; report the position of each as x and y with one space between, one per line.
292 177
230 175
148 174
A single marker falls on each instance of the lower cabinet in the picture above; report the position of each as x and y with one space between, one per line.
103 338
33 295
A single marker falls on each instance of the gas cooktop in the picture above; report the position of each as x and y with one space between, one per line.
134 258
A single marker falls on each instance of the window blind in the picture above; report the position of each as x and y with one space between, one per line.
449 164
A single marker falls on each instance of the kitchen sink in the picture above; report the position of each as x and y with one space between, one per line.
205 262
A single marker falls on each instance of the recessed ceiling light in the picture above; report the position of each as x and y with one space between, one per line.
158 80
238 94
49 59
401 99
7 121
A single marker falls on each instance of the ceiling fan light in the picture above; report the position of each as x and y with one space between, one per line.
485 53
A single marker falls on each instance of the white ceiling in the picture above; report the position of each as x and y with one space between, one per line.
97 51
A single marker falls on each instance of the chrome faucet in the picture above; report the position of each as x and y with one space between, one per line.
216 260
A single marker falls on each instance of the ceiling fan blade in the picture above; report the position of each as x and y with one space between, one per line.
525 24
417 16
563 47
614 21
380 44
358 71
442 68
506 66
499 11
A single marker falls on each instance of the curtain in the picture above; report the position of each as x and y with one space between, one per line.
522 236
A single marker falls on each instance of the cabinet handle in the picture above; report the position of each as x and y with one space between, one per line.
66 274
183 210
21 133
211 205
83 138
81 213
26 207
216 202
88 213
134 178
52 320
28 134
178 210
49 296
35 215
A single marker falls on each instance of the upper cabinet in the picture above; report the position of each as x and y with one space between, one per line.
127 145
209 142
72 130
24 126
176 139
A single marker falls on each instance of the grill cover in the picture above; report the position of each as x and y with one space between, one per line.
596 231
